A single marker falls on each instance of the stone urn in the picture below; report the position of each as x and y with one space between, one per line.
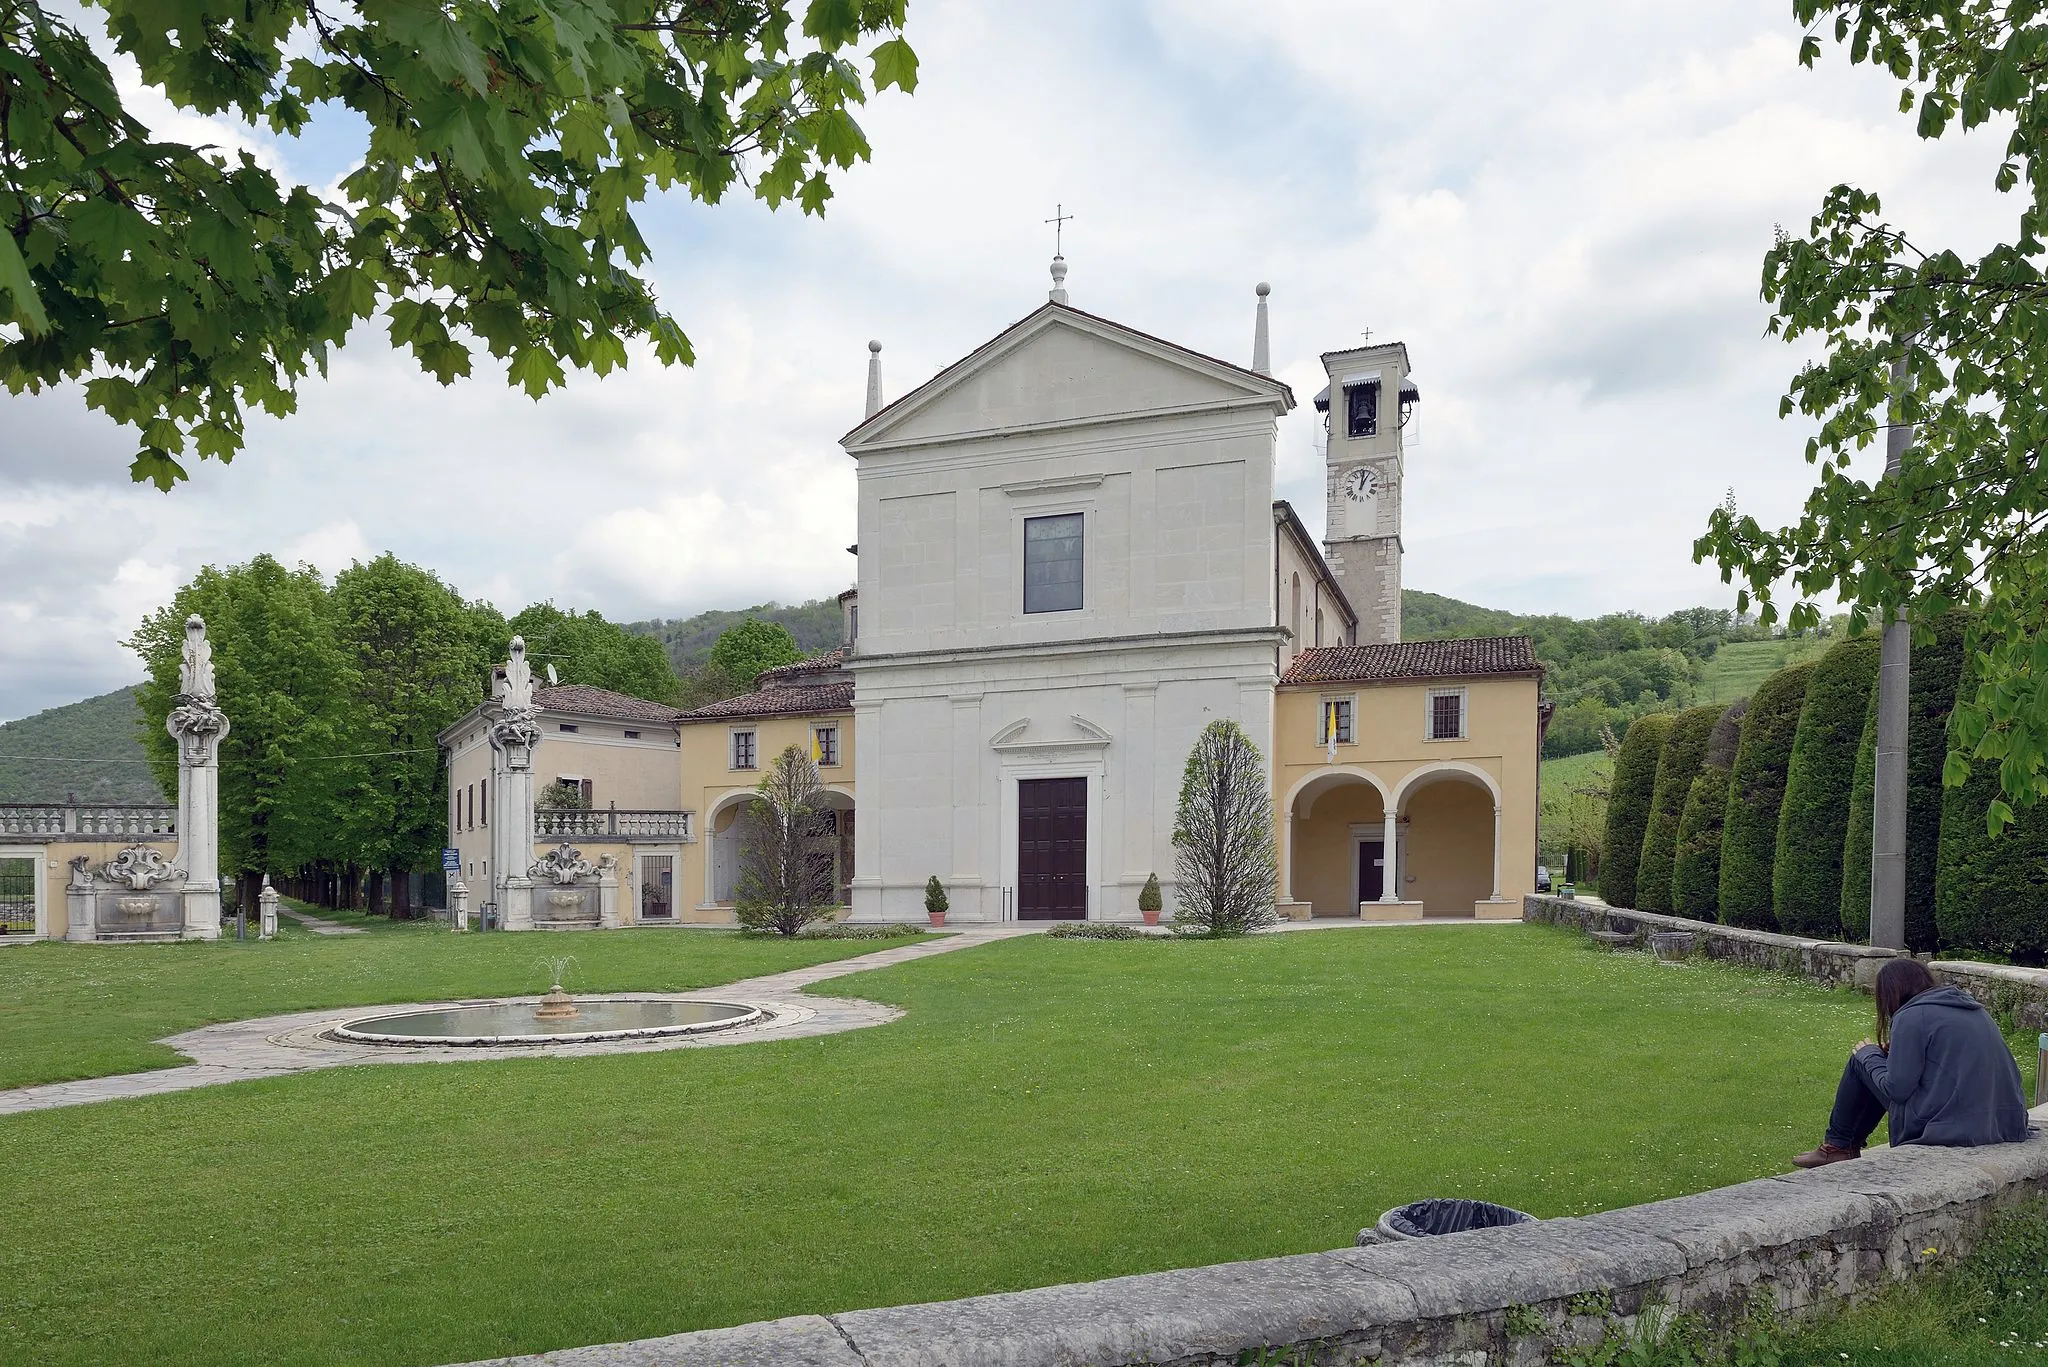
1672 946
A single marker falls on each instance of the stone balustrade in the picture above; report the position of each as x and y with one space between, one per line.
570 823
54 821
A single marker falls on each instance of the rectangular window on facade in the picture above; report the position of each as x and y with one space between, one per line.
1447 714
564 726
743 749
632 735
1362 409
483 802
1337 721
826 745
1052 563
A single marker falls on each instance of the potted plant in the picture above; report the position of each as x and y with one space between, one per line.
935 901
1148 901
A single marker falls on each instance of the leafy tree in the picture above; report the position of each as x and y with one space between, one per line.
491 202
1965 522
1224 856
744 650
410 643
785 880
281 682
1936 667
584 648
562 794
1991 891
1628 807
1806 876
1678 764
1756 794
1696 859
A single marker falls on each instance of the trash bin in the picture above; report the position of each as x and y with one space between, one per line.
1444 1215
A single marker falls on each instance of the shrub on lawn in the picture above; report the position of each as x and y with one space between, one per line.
1756 789
1806 879
1936 666
1224 859
784 885
1678 764
1098 930
842 931
1628 806
1696 860
1991 892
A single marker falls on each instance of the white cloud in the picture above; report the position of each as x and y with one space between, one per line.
1564 220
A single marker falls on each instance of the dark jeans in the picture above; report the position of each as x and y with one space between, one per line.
1857 1109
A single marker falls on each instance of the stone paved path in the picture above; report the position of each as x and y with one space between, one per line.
319 926
272 1046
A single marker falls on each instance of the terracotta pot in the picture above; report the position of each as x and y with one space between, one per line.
938 918
1151 917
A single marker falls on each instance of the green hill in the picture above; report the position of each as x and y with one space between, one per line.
90 750
1738 667
689 640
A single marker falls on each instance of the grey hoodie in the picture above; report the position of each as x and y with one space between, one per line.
1949 1079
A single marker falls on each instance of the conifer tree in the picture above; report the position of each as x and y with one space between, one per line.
1628 806
1806 876
1678 764
1756 793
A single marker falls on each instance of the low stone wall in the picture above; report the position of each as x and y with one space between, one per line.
2021 993
1803 1241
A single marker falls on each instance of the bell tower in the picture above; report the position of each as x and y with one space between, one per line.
1366 409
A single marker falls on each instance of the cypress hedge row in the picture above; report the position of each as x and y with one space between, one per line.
1696 863
1806 879
1678 764
1628 806
1937 666
1991 892
1756 790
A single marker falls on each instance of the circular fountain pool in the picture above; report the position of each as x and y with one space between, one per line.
521 1023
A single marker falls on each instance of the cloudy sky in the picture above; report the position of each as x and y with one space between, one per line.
1561 209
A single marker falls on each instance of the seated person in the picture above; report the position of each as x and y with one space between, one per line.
1939 1070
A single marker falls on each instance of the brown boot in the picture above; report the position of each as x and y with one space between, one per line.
1824 1155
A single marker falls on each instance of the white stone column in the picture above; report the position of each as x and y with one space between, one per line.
78 903
266 902
1495 895
458 906
1390 879
608 893
199 726
514 733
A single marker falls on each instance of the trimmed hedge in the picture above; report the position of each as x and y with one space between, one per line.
1991 893
1678 764
1696 861
1806 879
1756 789
1628 806
1937 666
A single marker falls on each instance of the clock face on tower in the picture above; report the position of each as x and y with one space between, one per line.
1361 484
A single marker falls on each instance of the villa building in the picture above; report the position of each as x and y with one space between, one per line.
1071 561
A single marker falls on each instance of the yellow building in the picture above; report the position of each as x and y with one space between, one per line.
1425 748
726 746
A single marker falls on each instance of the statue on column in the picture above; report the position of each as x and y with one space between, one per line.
195 668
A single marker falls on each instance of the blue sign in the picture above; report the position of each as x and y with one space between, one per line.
451 861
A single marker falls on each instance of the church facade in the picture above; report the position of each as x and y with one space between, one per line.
1070 561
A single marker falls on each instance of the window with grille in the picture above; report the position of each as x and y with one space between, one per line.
1052 563
743 750
1337 721
18 896
827 746
1447 714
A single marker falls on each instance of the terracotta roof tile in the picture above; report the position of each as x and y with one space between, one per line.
784 700
1466 659
586 701
815 664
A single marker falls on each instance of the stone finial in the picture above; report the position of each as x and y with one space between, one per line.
195 666
1262 347
1058 292
874 378
518 678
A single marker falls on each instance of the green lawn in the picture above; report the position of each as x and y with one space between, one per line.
74 1011
1736 670
1047 1111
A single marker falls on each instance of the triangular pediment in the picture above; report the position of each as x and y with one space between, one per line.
1062 367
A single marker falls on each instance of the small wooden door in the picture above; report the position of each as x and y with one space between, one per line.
1052 849
1372 870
